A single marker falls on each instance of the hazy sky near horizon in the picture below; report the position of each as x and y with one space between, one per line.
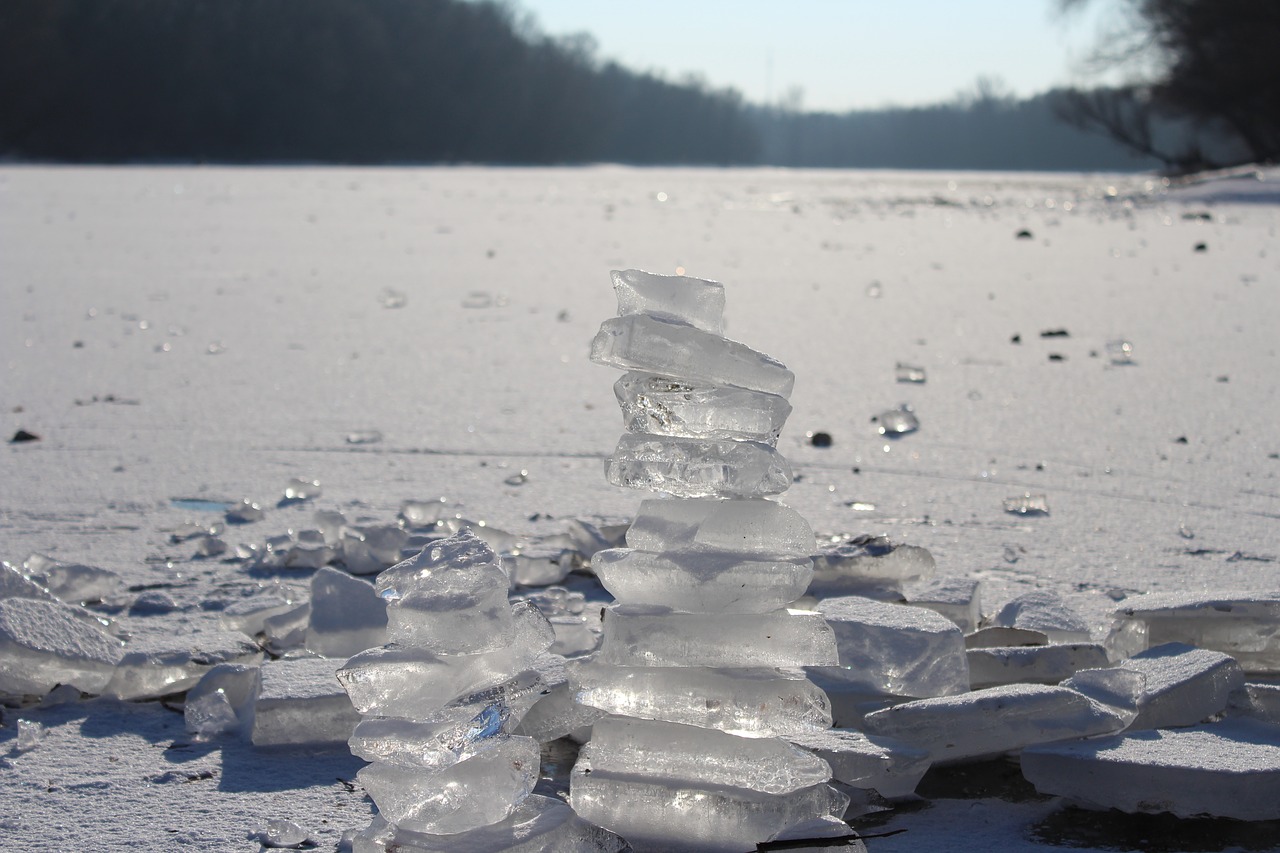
843 54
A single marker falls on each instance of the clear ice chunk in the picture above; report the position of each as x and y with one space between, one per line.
239 685
956 598
281 834
298 489
72 582
1044 610
782 638
643 343
537 825
541 566
890 767
682 298
210 715
301 702
675 817
1032 664
701 756
249 615
398 681
895 648
756 702
347 615
698 468
30 734
1244 625
758 527
665 405
1229 769
701 582
483 789
453 735
369 549
287 631
1027 504
245 512
868 562
994 720
896 422
43 644
162 664
904 372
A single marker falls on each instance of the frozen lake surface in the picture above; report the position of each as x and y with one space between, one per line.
180 339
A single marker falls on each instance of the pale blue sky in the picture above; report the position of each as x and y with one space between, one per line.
844 54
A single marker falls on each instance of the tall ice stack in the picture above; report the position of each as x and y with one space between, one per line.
699 665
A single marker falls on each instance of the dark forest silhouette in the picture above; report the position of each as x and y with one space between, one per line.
426 81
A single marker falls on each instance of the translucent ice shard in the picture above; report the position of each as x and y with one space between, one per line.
1244 625
483 789
1032 664
30 734
891 767
783 638
994 720
867 564
756 702
163 664
695 301
904 372
301 702
43 644
1027 504
453 735
1044 610
665 405
1228 769
210 715
758 527
703 756
956 598
644 343
71 581
347 615
701 582
894 648
698 468
896 422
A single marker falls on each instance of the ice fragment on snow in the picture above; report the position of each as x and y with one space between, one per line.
43 644
367 550
286 631
701 582
1044 610
894 648
896 422
782 638
30 733
541 566
994 720
908 373
759 527
891 767
695 301
250 614
1244 625
301 701
245 512
1027 504
698 468
210 715
14 584
756 702
347 615
71 581
1227 769
643 343
955 598
158 665
281 834
665 405
996 665
298 489
866 564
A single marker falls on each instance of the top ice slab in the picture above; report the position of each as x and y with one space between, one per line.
756 527
1244 625
695 301
642 342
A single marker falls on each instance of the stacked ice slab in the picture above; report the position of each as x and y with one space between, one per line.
440 700
699 664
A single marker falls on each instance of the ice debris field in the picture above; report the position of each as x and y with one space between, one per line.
1041 628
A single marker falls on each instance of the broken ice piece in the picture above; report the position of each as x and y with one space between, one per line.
644 343
698 468
281 834
159 665
453 735
297 489
222 701
1032 664
757 702
1244 625
701 582
245 512
288 630
1229 769
30 733
890 767
908 373
994 720
993 636
481 790
665 405
956 598
757 527
894 648
557 713
695 301
43 644
1120 351
422 513
896 422
540 566
249 615
1027 504
209 715
868 562
301 702
368 550
1044 610
347 615
782 638
72 582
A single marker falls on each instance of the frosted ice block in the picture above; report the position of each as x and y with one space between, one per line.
1044 610
1032 664
665 405
956 598
1244 625
761 527
43 644
759 702
698 468
868 562
301 702
783 638
682 298
647 344
347 615
701 582
891 767
159 665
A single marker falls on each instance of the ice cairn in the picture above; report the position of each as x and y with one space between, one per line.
439 704
699 668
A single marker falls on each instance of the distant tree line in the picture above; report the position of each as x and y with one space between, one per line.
395 81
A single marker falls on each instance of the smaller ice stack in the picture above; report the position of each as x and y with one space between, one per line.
439 702
699 664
